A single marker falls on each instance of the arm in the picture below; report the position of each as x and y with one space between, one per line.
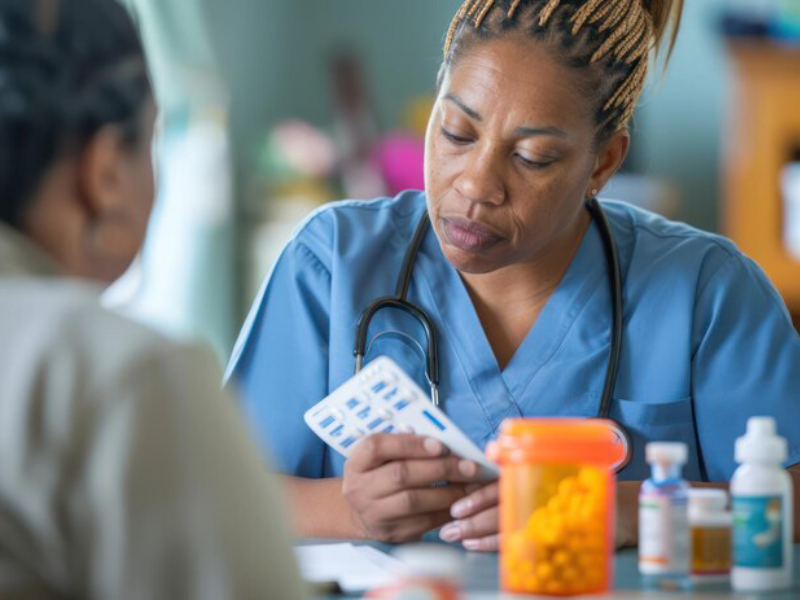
281 367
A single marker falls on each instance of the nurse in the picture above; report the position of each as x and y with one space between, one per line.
531 120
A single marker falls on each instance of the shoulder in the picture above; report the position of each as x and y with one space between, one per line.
646 238
356 225
58 328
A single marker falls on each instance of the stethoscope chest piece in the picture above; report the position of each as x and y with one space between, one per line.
622 442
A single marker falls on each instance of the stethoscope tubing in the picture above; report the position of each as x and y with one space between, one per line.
400 302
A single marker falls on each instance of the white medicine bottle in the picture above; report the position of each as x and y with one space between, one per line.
762 510
663 517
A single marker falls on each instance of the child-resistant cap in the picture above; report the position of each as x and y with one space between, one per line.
761 442
556 439
671 452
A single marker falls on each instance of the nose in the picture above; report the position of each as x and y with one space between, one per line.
481 181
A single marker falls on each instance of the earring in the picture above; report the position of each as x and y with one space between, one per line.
594 193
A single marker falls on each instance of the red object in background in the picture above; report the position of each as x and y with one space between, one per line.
401 160
415 589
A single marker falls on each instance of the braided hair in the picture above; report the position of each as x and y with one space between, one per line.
67 69
612 40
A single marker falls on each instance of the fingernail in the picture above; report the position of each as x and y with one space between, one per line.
467 468
432 446
472 544
450 532
461 508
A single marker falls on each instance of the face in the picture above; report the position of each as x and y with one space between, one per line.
137 192
122 190
509 156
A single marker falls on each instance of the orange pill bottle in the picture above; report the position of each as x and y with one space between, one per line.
557 503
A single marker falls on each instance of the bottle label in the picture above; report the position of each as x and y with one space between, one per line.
663 534
758 532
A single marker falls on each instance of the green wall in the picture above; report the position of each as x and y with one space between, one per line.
274 53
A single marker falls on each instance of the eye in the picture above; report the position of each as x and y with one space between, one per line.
455 139
532 164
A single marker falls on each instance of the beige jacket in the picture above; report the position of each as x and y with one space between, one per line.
124 471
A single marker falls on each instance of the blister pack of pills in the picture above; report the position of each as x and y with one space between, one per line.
383 399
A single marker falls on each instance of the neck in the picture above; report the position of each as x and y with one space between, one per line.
530 283
508 301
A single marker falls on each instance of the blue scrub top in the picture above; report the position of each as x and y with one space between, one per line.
707 340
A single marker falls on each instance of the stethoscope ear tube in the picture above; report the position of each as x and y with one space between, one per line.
615 287
432 353
399 301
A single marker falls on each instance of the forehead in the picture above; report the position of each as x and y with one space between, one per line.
517 77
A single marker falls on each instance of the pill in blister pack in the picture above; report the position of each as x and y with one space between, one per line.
383 399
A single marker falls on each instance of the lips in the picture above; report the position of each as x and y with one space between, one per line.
469 236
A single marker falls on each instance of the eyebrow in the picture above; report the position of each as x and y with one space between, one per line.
523 131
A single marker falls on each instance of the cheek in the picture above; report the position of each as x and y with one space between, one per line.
547 204
145 188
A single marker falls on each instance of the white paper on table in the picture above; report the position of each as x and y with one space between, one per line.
356 568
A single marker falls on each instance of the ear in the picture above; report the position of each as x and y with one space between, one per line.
609 159
101 174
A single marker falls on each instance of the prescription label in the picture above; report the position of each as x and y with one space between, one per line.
663 534
758 532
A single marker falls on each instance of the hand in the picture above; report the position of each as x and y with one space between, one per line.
627 533
477 515
388 482
478 519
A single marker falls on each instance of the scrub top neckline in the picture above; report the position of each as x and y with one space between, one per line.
501 392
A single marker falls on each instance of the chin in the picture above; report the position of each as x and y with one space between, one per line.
466 262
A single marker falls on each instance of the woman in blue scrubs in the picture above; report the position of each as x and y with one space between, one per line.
531 120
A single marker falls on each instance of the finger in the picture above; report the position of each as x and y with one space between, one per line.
380 448
420 501
489 543
481 525
407 474
410 529
477 501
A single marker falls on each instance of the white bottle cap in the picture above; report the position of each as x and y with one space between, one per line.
434 561
761 442
671 452
707 500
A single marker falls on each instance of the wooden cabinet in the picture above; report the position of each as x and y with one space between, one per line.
762 134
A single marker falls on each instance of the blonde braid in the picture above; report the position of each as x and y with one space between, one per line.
548 11
620 33
454 25
583 14
630 33
513 8
487 6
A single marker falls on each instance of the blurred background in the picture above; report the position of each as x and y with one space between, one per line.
270 108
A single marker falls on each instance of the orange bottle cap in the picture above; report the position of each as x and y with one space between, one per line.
590 441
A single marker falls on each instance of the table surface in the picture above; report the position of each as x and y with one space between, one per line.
481 580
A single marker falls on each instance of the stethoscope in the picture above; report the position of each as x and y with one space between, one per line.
400 301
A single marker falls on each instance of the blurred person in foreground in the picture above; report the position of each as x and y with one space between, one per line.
124 471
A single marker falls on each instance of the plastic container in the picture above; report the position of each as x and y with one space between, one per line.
710 524
762 511
664 517
557 504
431 572
790 185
